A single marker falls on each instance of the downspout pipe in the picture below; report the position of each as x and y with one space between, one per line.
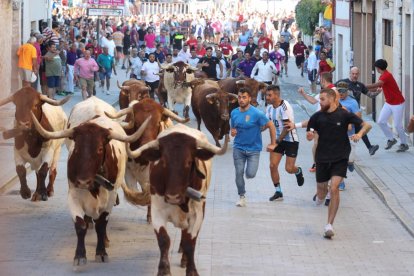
374 103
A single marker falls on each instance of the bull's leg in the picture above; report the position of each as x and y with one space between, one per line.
164 245
149 218
100 227
187 259
80 254
170 103
52 177
41 192
186 112
25 192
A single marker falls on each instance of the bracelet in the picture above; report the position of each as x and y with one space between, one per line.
298 125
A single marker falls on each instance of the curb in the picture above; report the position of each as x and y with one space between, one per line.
386 197
13 180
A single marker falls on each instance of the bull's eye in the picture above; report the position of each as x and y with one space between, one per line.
189 71
170 70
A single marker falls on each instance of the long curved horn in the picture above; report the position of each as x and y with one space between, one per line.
233 95
212 148
240 82
136 198
137 153
54 102
209 96
51 134
6 100
131 138
193 68
120 113
122 87
174 116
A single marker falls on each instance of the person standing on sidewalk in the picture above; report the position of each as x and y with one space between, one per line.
53 65
357 88
71 57
84 69
106 65
393 106
27 61
312 69
279 111
332 152
247 123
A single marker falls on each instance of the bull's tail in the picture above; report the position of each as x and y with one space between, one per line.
135 197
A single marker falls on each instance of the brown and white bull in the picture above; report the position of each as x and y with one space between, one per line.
97 150
182 165
131 90
211 104
29 146
177 77
137 170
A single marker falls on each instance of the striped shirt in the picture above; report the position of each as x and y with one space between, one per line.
279 114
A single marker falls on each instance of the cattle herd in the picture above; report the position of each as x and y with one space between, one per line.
110 149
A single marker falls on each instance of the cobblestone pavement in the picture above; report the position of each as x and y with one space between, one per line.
264 238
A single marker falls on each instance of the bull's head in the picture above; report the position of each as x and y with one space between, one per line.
222 100
27 100
177 167
92 153
135 91
254 87
182 72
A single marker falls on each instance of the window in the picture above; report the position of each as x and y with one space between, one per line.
387 32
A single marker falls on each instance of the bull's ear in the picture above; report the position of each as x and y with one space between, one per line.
211 100
204 154
232 99
151 154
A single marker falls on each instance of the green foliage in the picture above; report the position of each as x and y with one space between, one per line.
307 15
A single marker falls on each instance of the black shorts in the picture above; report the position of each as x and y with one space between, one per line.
313 75
125 50
300 60
119 49
288 148
153 85
324 171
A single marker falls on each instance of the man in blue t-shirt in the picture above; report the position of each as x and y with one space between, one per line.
247 123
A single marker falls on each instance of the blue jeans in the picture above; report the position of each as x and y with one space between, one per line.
240 158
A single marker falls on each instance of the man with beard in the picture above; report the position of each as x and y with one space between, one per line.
247 123
332 153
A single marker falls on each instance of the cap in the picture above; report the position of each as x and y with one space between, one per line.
342 87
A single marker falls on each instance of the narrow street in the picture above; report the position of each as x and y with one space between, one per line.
265 238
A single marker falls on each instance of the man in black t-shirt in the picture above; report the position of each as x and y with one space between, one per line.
332 152
208 64
357 88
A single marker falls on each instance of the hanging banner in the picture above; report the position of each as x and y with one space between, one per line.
107 2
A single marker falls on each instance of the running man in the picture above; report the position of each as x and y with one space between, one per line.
280 112
332 152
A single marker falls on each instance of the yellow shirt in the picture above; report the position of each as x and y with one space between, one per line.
27 52
328 12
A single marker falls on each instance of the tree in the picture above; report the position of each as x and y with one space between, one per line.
307 15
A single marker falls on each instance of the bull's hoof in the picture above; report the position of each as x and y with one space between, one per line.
39 196
50 193
183 263
193 272
164 272
25 192
102 258
79 261
106 241
186 112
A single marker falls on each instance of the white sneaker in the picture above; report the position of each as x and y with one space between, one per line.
329 232
107 93
241 202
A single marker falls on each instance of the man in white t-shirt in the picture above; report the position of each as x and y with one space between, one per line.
150 71
193 60
109 43
135 65
280 112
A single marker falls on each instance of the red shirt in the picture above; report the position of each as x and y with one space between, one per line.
299 49
201 52
324 67
226 48
266 42
192 43
392 93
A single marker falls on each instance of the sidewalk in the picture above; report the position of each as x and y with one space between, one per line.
8 177
388 173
